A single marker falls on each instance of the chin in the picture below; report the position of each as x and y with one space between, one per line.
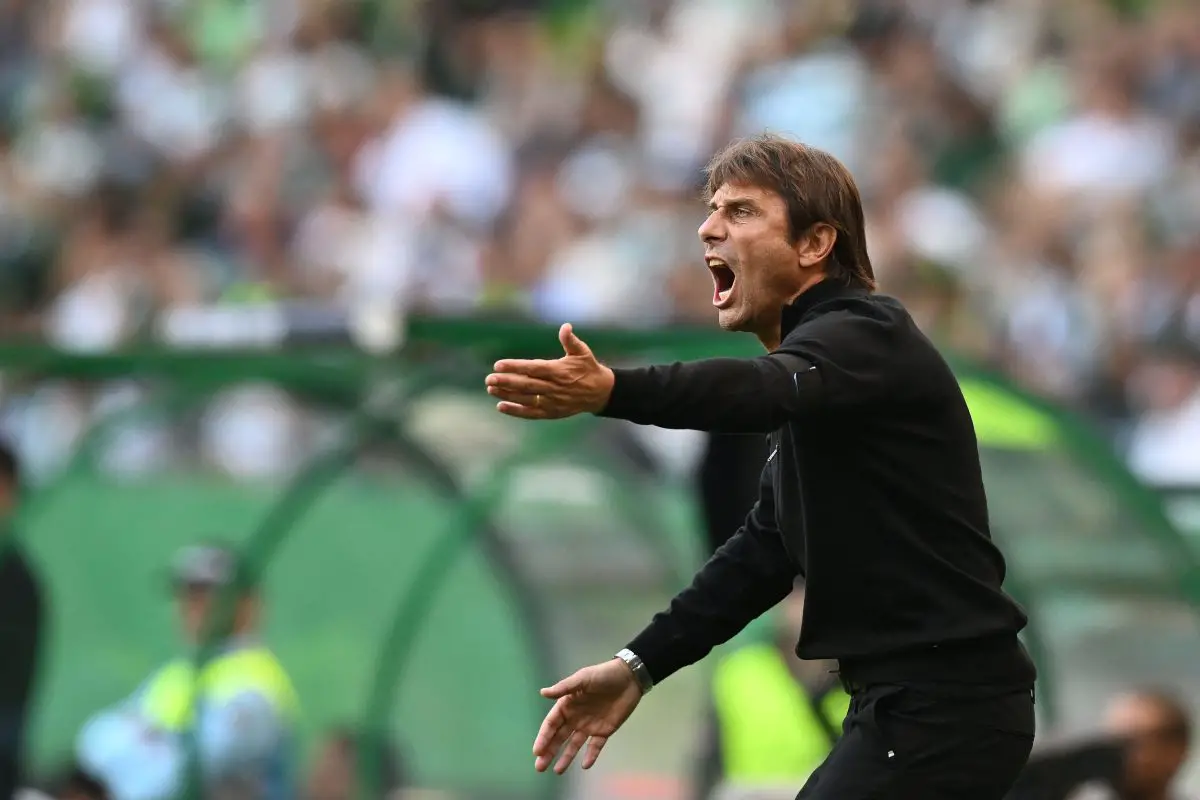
732 320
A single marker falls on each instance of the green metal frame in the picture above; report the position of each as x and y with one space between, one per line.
347 377
1087 446
273 531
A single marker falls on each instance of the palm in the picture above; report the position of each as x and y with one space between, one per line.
591 705
599 711
539 389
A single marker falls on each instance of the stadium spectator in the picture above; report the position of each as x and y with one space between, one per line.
1157 729
243 717
755 750
21 614
336 771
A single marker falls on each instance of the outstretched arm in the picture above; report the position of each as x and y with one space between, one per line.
842 360
728 395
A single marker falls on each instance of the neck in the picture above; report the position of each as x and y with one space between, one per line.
770 340
771 337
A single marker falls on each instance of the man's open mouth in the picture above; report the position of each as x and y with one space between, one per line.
723 281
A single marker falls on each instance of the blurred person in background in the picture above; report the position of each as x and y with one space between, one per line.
244 712
21 615
336 772
776 716
76 785
1141 749
1157 730
1164 446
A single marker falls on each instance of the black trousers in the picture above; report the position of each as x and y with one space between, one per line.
927 743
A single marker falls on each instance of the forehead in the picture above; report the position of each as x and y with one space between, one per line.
193 591
745 193
1129 714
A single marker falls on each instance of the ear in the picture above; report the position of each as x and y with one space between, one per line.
815 244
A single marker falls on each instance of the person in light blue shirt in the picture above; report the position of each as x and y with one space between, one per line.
243 717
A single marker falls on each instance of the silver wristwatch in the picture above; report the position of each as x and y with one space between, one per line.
640 673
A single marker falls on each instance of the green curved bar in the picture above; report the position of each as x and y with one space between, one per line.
632 503
472 520
497 552
414 605
559 436
271 532
93 440
280 521
413 609
1086 445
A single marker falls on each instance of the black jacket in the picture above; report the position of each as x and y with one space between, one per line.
872 490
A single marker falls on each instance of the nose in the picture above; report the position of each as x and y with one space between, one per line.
712 229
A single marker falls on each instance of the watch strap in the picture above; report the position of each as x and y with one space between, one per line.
638 668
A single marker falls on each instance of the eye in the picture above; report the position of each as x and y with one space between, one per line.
740 212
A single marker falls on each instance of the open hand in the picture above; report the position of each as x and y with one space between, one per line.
538 389
590 706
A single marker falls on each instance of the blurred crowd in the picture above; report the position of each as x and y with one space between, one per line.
1030 168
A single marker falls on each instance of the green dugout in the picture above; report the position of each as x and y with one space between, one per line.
424 559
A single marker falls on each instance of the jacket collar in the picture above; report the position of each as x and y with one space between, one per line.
803 306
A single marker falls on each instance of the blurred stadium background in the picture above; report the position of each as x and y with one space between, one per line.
257 255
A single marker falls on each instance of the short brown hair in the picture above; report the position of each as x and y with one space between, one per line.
1176 723
816 187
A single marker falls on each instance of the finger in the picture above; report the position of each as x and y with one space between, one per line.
519 411
529 400
594 746
551 737
574 742
534 368
553 728
568 685
572 344
554 744
520 383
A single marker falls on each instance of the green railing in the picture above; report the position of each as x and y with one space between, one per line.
1077 528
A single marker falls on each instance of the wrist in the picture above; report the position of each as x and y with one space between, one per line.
608 381
627 388
637 669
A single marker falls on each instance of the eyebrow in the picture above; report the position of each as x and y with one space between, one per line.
734 202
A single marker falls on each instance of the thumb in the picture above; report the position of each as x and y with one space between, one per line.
566 686
572 344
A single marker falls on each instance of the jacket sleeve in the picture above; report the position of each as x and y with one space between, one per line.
721 395
747 575
840 359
